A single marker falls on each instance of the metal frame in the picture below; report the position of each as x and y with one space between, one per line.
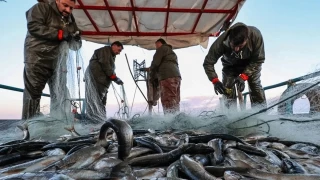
287 83
45 95
136 70
232 12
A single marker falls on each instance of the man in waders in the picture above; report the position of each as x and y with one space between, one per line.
98 77
49 24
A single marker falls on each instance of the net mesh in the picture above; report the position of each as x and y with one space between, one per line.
64 95
291 115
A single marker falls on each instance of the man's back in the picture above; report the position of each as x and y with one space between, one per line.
167 62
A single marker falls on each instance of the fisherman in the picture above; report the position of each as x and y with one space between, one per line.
242 50
164 71
49 25
98 77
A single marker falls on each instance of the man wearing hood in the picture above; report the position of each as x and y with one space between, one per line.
164 70
241 49
98 77
49 24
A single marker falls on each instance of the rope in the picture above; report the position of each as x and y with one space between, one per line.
134 95
115 93
125 103
123 99
145 109
78 77
281 119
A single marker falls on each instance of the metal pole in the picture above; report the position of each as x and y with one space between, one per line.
285 99
148 95
18 89
290 81
240 98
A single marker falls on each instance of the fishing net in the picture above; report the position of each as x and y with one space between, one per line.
64 95
285 116
293 115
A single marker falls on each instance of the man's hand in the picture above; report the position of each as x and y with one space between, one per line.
240 82
118 81
67 36
218 86
76 36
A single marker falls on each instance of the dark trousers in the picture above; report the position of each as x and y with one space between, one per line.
35 78
257 95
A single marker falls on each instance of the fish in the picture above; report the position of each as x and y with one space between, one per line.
279 154
137 151
149 173
149 144
217 155
255 173
27 145
292 167
35 165
278 146
207 138
54 152
231 175
251 150
24 129
266 139
290 143
297 154
219 171
312 150
73 131
124 135
169 157
106 163
66 146
76 148
74 174
6 150
202 159
123 171
235 154
79 159
193 169
256 136
173 169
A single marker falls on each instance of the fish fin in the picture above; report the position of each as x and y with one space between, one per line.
68 129
14 171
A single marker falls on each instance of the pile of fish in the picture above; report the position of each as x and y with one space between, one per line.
116 151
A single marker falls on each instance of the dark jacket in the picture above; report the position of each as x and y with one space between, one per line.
164 64
250 59
41 43
102 64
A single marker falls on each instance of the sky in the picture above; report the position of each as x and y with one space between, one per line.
289 28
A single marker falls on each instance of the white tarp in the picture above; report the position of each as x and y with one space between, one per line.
153 22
